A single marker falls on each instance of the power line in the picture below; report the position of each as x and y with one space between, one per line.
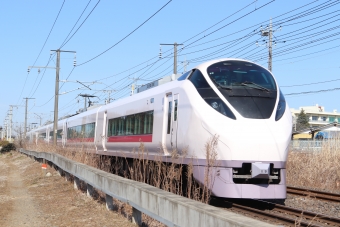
126 35
75 25
42 47
64 43
312 92
230 23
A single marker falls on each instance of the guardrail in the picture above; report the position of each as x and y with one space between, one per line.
166 207
315 145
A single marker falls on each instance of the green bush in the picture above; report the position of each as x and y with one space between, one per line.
7 148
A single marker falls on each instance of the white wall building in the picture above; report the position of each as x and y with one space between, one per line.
317 116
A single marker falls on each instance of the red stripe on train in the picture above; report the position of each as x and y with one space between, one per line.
77 140
132 138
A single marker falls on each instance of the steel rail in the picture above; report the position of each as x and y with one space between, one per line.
272 216
314 194
307 214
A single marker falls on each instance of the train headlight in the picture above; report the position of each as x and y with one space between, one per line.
214 105
218 105
281 107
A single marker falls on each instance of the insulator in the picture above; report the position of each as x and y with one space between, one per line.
28 70
160 51
74 63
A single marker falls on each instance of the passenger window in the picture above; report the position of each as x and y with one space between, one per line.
198 79
169 116
135 124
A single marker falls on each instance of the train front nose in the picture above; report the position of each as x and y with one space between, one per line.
257 140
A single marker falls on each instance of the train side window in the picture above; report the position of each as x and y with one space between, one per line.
175 110
120 126
169 117
129 125
59 134
139 123
135 124
198 79
148 122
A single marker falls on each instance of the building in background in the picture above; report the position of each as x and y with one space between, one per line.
317 117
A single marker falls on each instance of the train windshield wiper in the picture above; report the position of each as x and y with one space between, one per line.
221 85
254 85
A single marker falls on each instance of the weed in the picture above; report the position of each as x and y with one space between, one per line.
316 169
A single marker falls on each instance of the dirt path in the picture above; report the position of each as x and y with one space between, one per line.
29 198
23 208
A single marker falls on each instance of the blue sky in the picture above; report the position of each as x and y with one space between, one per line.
306 52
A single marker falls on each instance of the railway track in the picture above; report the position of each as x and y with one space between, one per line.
314 194
278 214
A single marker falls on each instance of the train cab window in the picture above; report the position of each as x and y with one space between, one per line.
198 79
209 95
238 74
184 76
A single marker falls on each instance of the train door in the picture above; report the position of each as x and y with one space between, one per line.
47 134
104 134
171 121
64 134
100 128
36 138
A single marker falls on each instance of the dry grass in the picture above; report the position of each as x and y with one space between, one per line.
316 169
169 176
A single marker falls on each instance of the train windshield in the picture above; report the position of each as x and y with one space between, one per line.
234 74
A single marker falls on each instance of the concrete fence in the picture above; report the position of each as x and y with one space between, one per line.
166 207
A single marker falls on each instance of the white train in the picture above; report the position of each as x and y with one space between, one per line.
237 100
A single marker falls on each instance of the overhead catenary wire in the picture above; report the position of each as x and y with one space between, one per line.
126 35
65 42
62 5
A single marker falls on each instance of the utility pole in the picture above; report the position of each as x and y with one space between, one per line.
6 125
39 117
133 85
10 120
25 127
175 54
109 98
269 32
56 95
185 64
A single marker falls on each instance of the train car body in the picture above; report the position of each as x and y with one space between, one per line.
235 100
